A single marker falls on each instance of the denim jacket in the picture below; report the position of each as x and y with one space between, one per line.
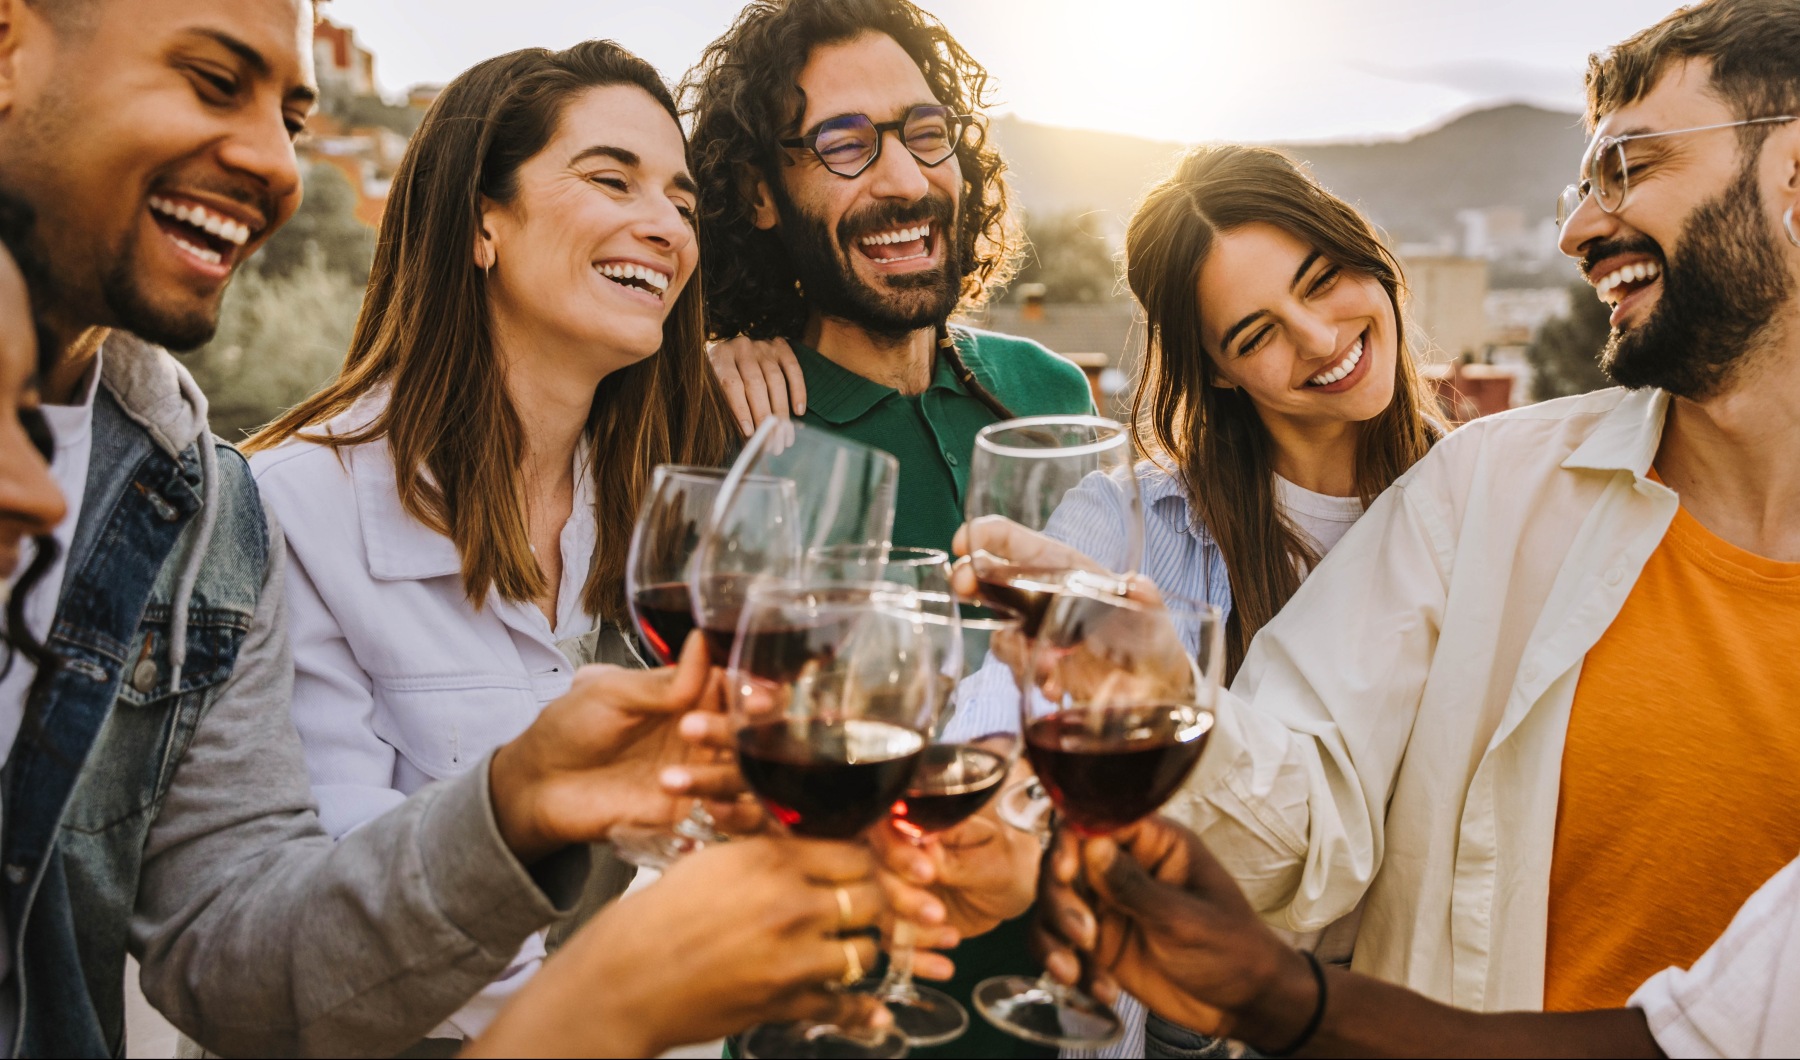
164 804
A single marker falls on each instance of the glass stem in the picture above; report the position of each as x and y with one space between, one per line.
897 985
698 825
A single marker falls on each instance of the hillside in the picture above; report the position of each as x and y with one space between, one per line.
1514 155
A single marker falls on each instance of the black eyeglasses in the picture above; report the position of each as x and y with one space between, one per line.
850 143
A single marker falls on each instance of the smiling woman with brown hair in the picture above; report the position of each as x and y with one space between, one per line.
458 501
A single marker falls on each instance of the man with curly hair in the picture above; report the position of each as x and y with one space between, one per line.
851 205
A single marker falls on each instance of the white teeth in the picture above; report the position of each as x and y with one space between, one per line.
656 280
1344 367
897 235
233 232
211 257
1633 273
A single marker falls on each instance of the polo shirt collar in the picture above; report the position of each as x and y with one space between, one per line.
839 396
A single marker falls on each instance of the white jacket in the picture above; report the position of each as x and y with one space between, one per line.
1397 731
398 681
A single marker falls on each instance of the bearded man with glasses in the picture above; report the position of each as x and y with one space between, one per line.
850 205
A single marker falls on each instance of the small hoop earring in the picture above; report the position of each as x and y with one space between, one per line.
1787 224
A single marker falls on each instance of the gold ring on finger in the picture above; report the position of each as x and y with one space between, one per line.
846 910
853 966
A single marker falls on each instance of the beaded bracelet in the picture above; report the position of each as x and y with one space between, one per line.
1318 1016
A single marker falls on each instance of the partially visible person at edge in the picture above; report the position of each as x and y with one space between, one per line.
1533 712
156 798
529 349
1279 398
856 247
763 955
1156 911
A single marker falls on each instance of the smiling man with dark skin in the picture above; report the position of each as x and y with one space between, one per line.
155 798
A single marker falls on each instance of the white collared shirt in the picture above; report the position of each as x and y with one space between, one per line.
398 680
1397 731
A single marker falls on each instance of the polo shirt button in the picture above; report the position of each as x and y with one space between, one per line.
951 457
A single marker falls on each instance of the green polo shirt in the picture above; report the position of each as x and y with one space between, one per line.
932 435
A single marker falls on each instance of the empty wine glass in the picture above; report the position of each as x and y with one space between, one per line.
842 494
657 575
1116 707
833 689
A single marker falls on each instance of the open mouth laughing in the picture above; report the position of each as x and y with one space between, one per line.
1343 368
211 240
647 280
895 245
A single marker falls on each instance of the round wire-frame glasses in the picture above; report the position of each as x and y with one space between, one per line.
1607 174
850 143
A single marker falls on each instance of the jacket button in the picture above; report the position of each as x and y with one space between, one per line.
143 677
17 875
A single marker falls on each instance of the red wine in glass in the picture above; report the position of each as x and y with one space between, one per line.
1106 768
665 617
828 779
953 782
1024 590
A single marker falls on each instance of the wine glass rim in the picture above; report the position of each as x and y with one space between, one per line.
1115 435
847 592
892 555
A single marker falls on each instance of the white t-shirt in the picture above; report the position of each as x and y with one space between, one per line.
1323 518
73 428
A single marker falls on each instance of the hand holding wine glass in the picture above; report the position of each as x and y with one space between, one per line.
1033 472
1115 717
832 689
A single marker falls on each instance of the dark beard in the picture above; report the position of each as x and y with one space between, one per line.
820 261
1720 295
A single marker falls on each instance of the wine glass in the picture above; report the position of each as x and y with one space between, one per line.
1116 709
842 494
1043 472
657 591
1030 471
969 756
832 689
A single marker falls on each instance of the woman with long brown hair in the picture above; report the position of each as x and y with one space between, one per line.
457 502
1278 398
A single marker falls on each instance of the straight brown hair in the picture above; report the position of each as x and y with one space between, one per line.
425 334
1752 46
1212 438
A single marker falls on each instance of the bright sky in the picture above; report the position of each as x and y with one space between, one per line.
1170 69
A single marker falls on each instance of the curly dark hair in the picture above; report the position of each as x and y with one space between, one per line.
741 98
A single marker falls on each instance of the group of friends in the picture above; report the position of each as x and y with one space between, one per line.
329 730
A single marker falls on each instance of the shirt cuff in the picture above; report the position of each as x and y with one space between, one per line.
479 885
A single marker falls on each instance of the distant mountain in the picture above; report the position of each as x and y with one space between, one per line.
1513 155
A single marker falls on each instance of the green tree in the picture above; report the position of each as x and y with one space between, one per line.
280 337
1565 352
1072 263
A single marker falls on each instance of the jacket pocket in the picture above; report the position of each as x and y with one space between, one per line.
443 728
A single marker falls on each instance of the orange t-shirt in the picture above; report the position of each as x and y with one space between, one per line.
1681 774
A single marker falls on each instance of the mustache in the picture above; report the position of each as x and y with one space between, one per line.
936 209
1599 252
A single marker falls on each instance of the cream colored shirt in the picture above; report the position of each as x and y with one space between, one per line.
1397 731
